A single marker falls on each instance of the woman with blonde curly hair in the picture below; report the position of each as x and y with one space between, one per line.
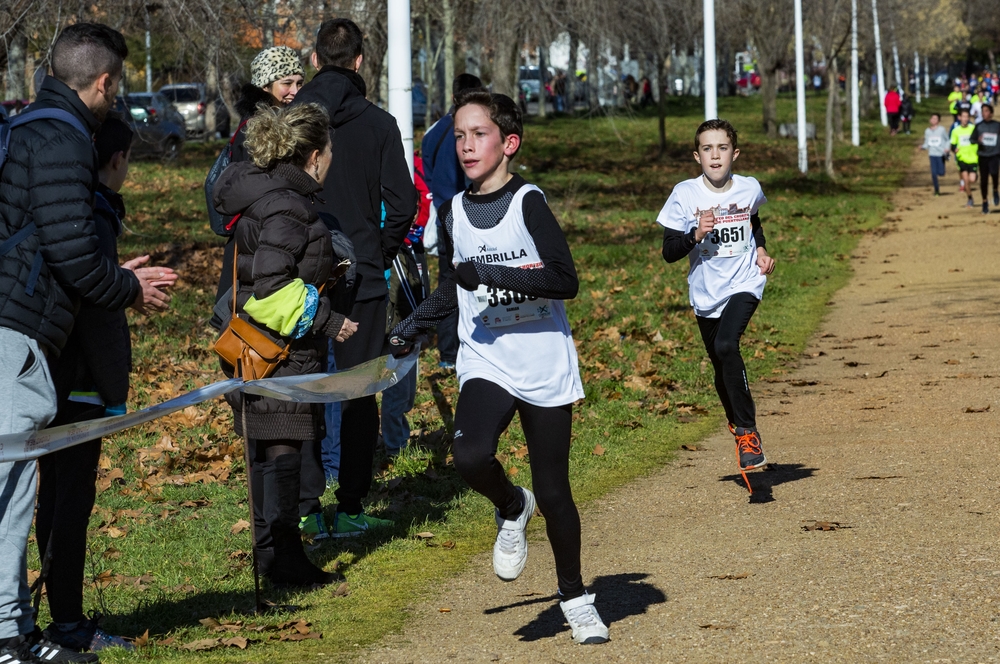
284 257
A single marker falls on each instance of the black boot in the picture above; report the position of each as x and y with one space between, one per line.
290 566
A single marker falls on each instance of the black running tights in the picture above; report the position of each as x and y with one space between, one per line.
484 411
989 167
722 341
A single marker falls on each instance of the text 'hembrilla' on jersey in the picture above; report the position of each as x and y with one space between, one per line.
517 340
725 261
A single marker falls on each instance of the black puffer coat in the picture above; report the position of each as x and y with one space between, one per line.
280 238
49 178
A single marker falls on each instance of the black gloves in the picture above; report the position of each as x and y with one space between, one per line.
466 276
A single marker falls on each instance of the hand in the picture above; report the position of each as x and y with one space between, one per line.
400 347
346 330
706 224
149 298
158 277
466 276
764 262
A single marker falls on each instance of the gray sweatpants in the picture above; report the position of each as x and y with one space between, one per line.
27 403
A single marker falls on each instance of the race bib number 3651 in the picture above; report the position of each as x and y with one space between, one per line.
730 237
499 307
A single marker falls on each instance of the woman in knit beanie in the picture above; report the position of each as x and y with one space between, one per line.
278 70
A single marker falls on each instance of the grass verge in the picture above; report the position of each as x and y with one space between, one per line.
168 553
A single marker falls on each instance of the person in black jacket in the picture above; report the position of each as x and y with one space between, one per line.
368 170
92 381
48 183
276 76
284 262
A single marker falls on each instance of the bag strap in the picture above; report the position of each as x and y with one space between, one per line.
236 279
50 114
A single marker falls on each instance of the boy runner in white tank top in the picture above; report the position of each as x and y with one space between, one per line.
713 221
513 269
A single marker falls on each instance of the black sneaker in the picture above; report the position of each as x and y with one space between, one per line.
45 650
996 198
17 651
749 455
87 635
986 207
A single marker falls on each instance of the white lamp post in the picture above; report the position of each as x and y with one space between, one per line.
401 74
800 89
711 86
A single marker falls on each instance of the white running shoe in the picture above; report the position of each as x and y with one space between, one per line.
510 552
583 619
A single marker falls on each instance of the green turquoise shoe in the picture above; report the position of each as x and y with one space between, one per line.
352 525
313 526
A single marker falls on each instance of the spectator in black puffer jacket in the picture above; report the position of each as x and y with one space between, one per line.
49 180
284 258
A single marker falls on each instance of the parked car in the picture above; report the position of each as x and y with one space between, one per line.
155 134
192 102
529 80
156 104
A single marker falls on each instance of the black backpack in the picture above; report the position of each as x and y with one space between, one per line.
6 127
221 225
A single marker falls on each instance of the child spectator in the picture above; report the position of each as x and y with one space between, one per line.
92 381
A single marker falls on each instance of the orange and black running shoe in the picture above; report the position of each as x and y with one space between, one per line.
749 454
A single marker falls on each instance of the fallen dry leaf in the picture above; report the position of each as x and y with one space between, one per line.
715 626
424 535
342 590
202 644
598 450
985 409
444 610
521 452
236 642
142 641
448 545
825 526
693 448
239 527
729 577
513 471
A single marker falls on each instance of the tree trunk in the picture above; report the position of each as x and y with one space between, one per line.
769 98
661 106
505 63
430 82
592 66
831 103
17 48
448 25
270 22
571 80
375 51
542 111
211 88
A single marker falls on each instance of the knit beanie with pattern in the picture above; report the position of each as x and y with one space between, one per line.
274 63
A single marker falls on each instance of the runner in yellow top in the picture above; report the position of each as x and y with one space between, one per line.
953 98
966 153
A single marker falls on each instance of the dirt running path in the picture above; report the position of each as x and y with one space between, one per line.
872 432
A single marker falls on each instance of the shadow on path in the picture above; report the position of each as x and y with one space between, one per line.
773 475
618 597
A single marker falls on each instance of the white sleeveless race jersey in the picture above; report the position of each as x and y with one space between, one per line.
524 344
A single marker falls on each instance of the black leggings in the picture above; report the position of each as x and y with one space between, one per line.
484 411
722 341
989 167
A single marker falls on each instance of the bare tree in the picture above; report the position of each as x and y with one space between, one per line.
770 26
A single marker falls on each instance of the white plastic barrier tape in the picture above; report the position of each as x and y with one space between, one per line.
363 380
